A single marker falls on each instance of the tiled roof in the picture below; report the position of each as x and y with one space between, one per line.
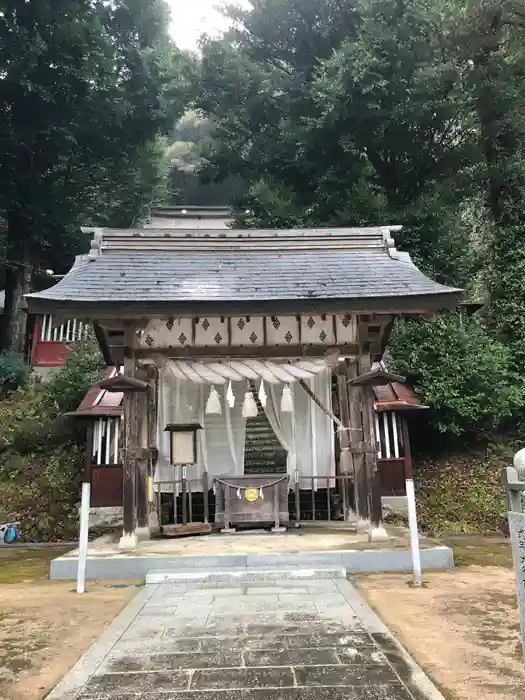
188 265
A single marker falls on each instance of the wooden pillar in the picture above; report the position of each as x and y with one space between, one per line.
152 417
129 452
370 478
143 458
373 482
357 446
345 458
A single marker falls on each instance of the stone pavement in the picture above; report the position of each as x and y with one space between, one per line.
282 640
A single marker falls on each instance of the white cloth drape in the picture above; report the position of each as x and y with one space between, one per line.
220 442
307 434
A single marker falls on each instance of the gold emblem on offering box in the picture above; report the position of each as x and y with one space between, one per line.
251 495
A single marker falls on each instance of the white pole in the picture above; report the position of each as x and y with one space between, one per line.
83 538
411 506
414 534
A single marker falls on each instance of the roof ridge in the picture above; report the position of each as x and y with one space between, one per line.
341 238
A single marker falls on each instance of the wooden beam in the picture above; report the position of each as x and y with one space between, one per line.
278 351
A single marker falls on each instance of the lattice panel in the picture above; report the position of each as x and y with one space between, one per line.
211 331
282 330
247 331
346 329
317 330
170 333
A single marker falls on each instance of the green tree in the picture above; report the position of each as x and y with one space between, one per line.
495 42
85 87
464 375
256 84
356 117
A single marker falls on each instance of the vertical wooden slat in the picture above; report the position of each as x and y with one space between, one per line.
328 504
226 492
184 503
99 441
276 518
205 494
388 454
313 497
94 438
344 489
190 501
116 441
74 330
108 439
395 435
378 434
297 497
68 331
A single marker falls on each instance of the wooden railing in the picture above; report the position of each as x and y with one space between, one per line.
310 499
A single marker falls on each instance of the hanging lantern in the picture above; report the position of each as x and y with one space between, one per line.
213 404
249 407
287 400
262 394
230 396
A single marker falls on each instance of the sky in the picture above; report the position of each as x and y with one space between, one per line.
191 18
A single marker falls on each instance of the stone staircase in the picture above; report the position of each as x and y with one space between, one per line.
263 453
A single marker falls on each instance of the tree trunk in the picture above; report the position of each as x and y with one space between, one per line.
17 283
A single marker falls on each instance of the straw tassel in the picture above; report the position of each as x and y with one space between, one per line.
287 400
213 404
262 394
249 407
230 396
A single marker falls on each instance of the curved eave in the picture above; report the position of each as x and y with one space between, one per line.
417 304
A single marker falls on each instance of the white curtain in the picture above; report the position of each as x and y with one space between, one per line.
307 434
220 442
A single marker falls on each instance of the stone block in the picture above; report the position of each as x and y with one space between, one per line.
232 678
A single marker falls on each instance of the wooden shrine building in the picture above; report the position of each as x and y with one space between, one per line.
223 326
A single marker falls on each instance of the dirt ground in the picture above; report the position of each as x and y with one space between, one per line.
45 626
462 628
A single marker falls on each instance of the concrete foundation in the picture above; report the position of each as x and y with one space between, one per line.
394 504
133 566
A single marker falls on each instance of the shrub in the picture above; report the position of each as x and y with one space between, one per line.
465 376
82 369
42 492
463 493
14 373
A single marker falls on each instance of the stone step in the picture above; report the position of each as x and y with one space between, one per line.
248 575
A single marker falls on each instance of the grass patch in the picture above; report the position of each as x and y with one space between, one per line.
24 565
476 550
